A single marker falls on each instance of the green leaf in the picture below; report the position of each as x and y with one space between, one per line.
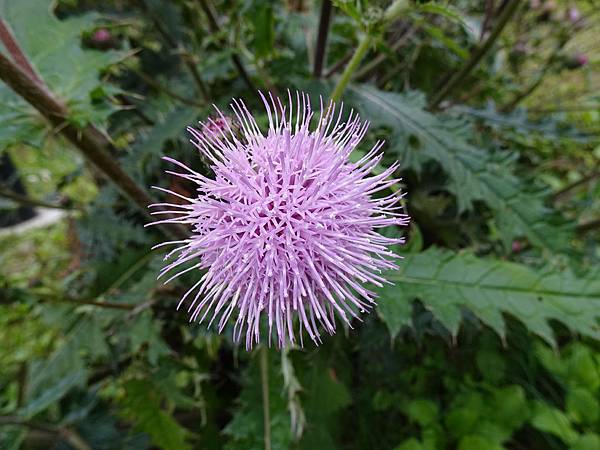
419 136
145 331
582 406
144 156
54 48
447 282
395 314
476 442
410 444
142 405
587 441
490 364
446 11
263 19
53 393
463 417
553 421
508 408
422 411
326 395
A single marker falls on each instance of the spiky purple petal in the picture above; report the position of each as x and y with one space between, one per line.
287 226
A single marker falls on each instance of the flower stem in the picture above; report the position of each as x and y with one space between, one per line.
359 53
264 379
391 13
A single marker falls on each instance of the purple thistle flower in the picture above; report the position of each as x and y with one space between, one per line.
287 225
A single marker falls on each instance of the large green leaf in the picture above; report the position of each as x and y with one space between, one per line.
54 48
420 136
142 404
447 282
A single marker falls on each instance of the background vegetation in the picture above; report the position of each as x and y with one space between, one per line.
489 338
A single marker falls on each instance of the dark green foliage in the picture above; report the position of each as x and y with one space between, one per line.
446 283
488 337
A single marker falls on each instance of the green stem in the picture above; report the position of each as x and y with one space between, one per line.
394 11
264 378
477 55
359 53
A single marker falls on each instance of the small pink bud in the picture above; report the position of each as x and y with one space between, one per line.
573 14
582 59
517 246
101 35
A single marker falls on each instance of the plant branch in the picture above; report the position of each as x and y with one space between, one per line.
367 69
215 28
391 13
489 12
24 200
338 65
264 379
90 141
322 34
561 194
68 434
538 81
63 299
7 38
588 226
359 53
454 81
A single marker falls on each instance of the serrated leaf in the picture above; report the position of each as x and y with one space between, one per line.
420 136
142 405
446 281
54 48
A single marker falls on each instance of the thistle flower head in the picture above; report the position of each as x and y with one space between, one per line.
287 226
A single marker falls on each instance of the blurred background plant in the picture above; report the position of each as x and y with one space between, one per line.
488 340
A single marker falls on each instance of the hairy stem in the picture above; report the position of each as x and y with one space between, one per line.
454 81
90 141
322 34
264 379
